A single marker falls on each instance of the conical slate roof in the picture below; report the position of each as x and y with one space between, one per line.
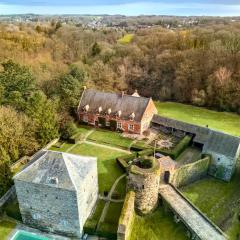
57 169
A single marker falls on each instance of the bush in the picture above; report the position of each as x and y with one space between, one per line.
102 121
68 130
146 133
146 152
75 138
12 210
113 125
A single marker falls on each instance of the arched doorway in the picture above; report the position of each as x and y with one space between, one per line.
166 176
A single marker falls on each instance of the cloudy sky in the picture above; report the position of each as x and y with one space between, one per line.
127 7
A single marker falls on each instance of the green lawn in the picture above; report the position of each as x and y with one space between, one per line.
6 227
108 169
110 138
158 226
222 121
219 201
126 39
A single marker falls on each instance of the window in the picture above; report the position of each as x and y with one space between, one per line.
36 216
85 118
107 124
130 127
119 125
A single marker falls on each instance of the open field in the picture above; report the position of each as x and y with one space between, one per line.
110 138
222 121
219 201
158 226
6 227
126 39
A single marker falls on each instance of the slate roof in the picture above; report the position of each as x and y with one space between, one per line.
70 170
222 143
200 132
215 141
127 104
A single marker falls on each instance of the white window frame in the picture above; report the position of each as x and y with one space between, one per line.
131 127
107 124
85 118
119 125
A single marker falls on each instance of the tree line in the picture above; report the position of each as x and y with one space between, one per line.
45 66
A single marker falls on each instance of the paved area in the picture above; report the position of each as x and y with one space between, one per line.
189 215
106 146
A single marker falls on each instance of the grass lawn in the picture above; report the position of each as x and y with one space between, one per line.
222 121
219 201
158 226
190 155
108 169
110 138
6 227
126 39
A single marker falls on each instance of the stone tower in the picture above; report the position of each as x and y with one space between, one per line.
144 181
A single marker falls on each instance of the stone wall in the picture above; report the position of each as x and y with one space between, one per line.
126 219
190 173
48 208
145 183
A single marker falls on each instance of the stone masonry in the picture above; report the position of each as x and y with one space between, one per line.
145 183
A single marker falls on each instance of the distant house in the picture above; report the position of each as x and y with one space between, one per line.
57 192
128 113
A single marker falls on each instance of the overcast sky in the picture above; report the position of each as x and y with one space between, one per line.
126 7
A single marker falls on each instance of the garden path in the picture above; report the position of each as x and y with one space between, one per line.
105 209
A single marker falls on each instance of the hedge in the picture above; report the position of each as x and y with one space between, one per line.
137 147
90 226
146 152
123 160
107 230
12 210
75 138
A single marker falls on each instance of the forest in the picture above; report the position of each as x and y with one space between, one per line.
45 65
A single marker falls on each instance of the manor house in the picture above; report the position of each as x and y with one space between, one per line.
117 111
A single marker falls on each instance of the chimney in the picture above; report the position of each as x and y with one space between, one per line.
122 94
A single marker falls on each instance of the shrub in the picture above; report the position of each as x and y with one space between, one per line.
146 152
146 133
113 125
75 138
68 130
137 147
12 210
102 121
145 163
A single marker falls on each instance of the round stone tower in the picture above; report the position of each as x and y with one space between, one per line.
143 178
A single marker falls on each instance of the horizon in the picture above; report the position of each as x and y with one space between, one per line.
212 8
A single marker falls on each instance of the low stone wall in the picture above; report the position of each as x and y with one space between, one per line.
190 173
126 219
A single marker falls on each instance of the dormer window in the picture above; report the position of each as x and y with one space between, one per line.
119 113
86 108
99 109
132 116
109 111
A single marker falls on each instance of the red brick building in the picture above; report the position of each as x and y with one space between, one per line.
128 113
